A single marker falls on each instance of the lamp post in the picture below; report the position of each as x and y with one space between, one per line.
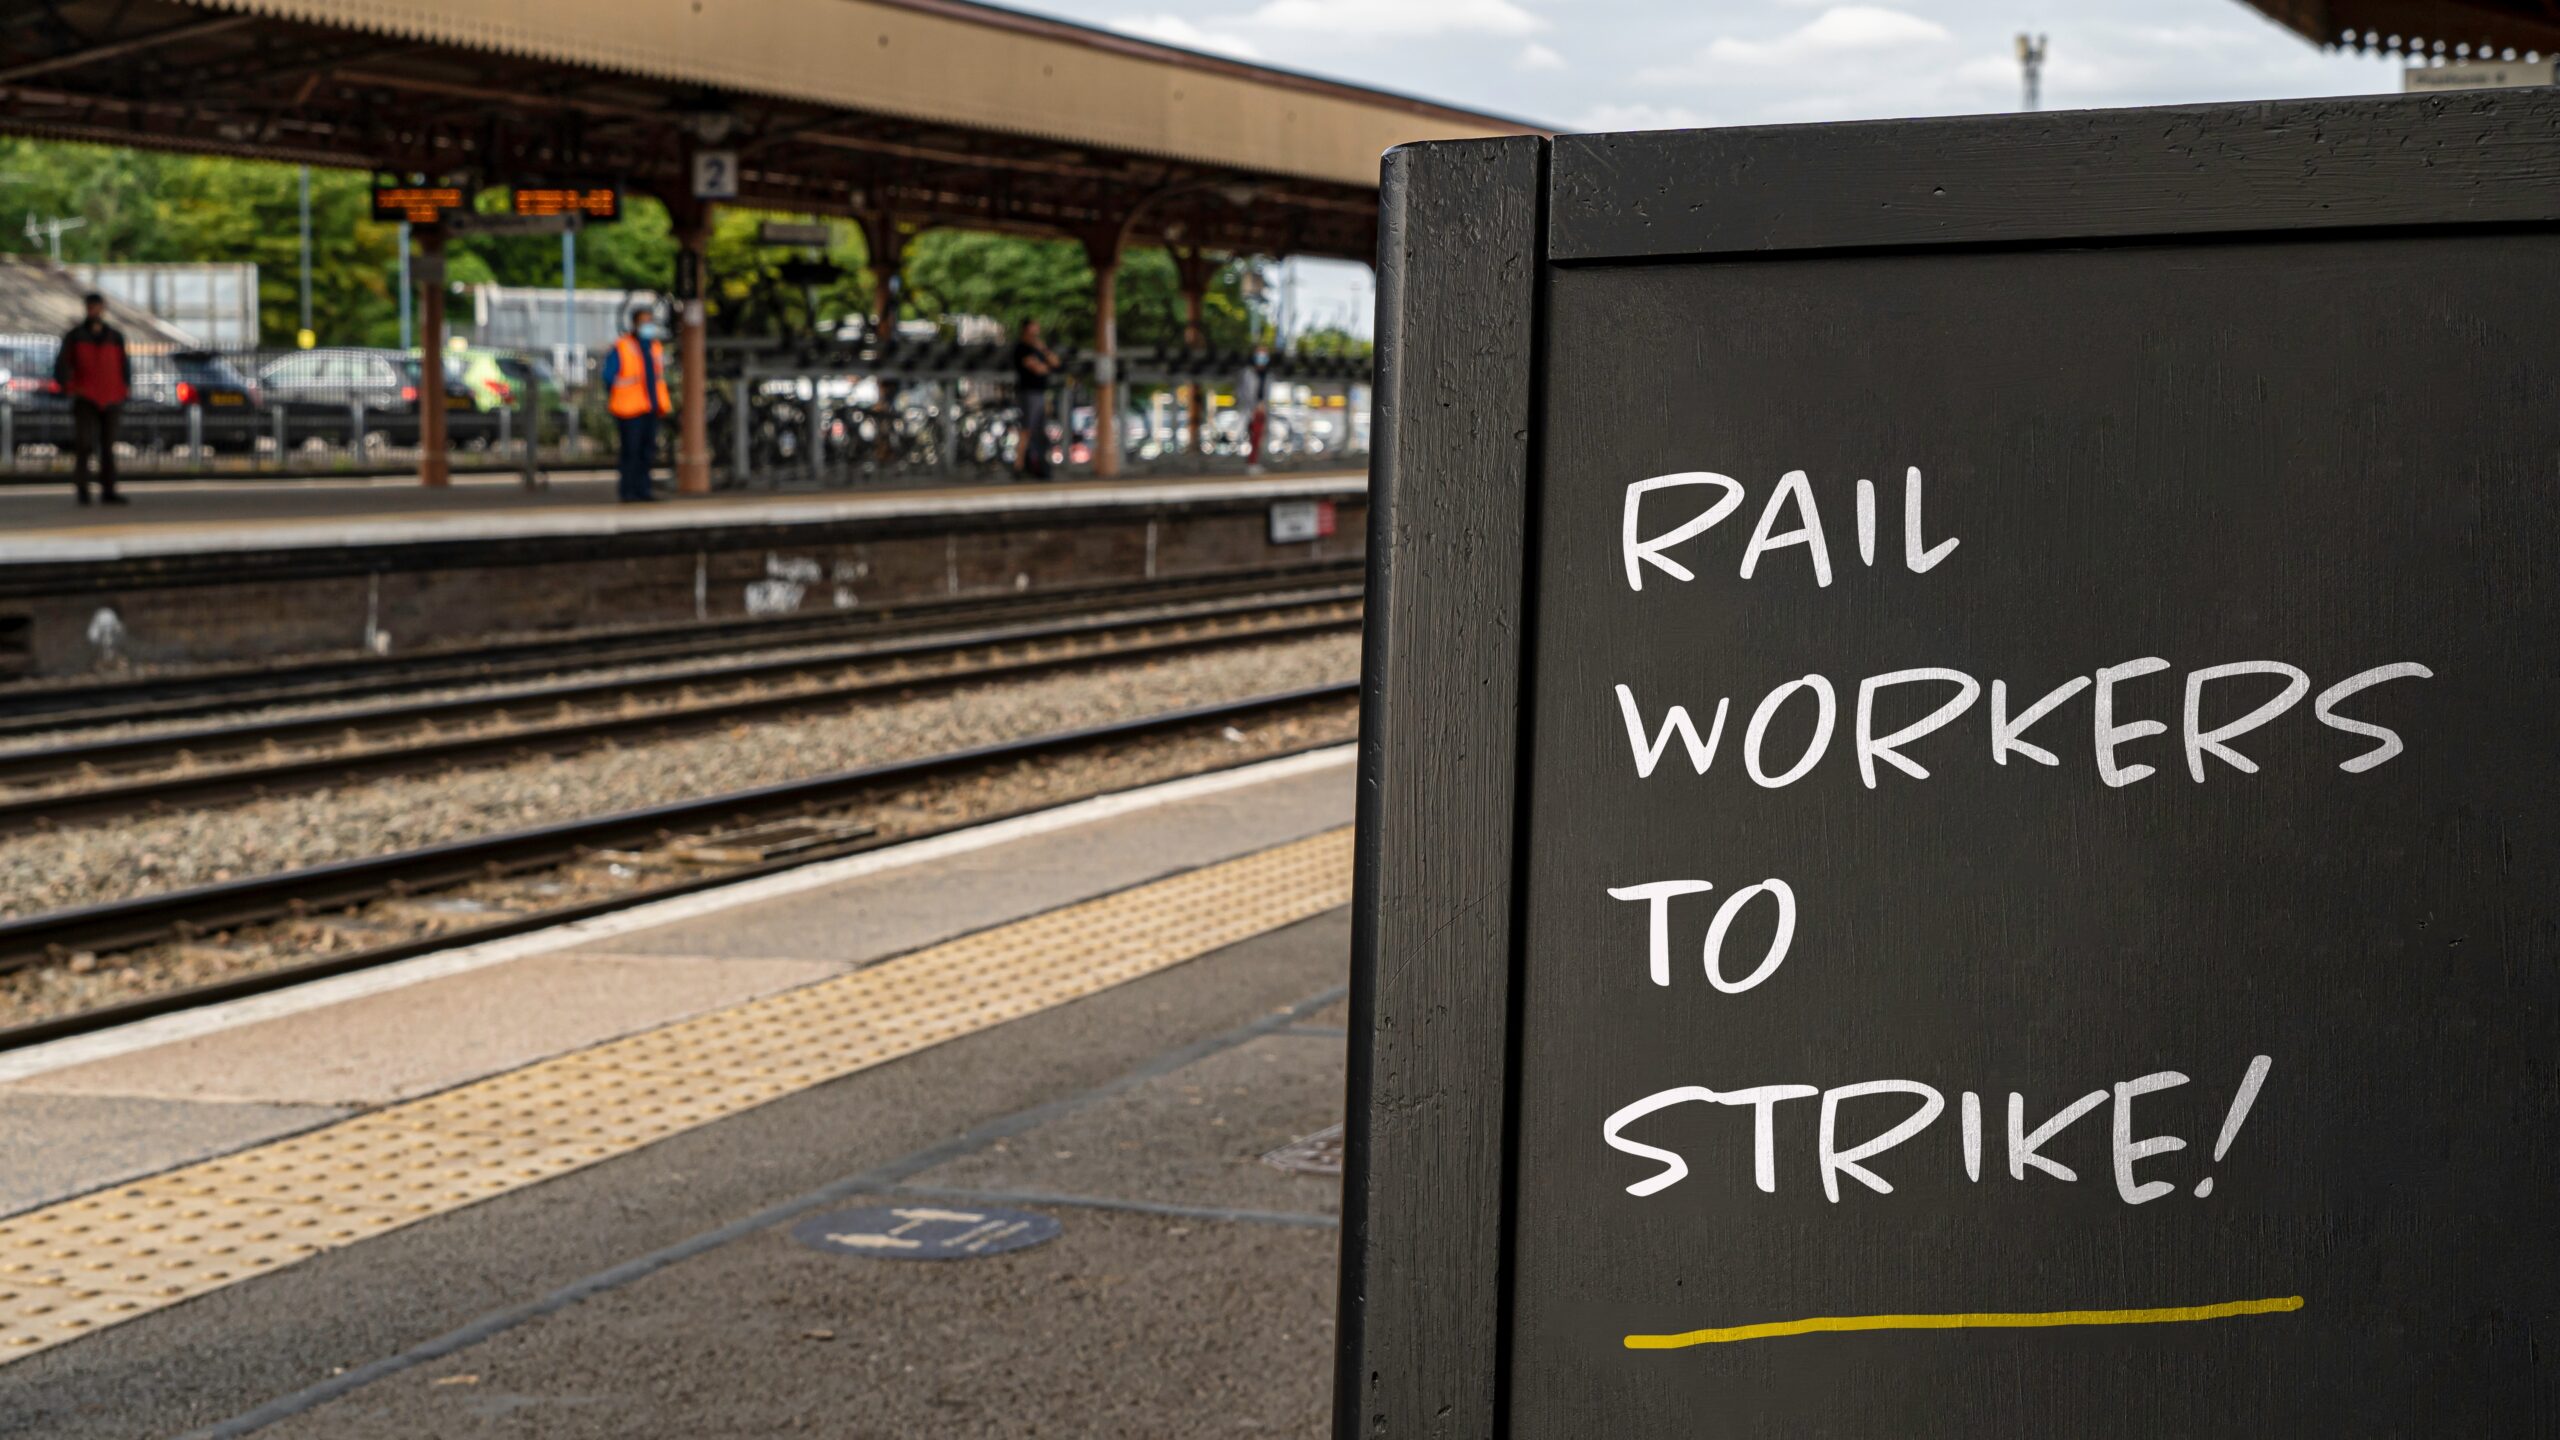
304 336
404 289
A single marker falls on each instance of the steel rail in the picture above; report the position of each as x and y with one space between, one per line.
203 791
32 708
198 910
27 768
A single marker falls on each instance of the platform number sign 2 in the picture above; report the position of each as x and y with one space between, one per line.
1958 812
715 175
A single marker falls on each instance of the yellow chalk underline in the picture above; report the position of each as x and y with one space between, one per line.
2011 1320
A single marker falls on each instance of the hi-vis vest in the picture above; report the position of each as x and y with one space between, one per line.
629 397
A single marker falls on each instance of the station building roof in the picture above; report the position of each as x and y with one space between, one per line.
40 298
939 111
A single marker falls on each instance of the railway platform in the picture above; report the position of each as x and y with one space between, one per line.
244 573
40 525
1024 1129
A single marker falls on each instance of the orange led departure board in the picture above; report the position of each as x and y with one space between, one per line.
418 204
589 202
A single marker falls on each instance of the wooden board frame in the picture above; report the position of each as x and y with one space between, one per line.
1459 236
1469 230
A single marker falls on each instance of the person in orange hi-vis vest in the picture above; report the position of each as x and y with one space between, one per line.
635 390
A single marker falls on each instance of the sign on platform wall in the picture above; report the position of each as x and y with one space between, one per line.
1959 816
1298 521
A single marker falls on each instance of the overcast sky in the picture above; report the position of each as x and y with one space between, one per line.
1646 64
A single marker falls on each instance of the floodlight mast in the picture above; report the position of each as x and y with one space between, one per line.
2031 65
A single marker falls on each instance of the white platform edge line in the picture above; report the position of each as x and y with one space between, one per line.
338 989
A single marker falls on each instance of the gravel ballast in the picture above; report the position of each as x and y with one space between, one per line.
817 651
86 982
84 866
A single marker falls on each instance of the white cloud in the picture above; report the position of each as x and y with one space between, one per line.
1784 60
1641 117
1174 30
1840 30
1331 19
2203 39
1534 56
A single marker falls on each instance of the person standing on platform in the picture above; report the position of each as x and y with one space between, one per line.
1253 392
635 390
1033 363
93 369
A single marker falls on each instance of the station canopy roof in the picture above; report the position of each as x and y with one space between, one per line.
2453 28
936 111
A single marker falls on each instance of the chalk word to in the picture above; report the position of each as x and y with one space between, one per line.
1657 895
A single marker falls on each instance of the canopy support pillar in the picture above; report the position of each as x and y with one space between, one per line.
885 249
1103 254
1193 269
435 466
693 354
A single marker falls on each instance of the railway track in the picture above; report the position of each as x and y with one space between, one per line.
36 708
125 775
719 839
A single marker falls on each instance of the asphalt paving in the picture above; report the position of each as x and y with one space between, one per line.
1189 1289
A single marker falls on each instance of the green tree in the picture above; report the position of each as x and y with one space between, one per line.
1332 341
141 205
1009 278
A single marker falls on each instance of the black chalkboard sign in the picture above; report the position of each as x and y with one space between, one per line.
1959 827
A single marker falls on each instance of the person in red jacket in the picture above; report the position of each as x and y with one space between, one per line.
95 372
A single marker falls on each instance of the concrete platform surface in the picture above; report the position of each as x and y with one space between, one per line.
1162 1309
41 524
57 1145
663 1293
1192 1139
428 1037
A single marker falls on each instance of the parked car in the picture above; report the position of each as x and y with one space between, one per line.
178 379
500 380
39 413
167 383
26 374
320 392
487 379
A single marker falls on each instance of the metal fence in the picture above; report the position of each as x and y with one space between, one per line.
778 416
838 414
328 411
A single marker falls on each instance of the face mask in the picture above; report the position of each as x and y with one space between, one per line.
652 330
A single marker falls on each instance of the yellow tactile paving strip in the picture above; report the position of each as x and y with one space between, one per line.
76 1267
